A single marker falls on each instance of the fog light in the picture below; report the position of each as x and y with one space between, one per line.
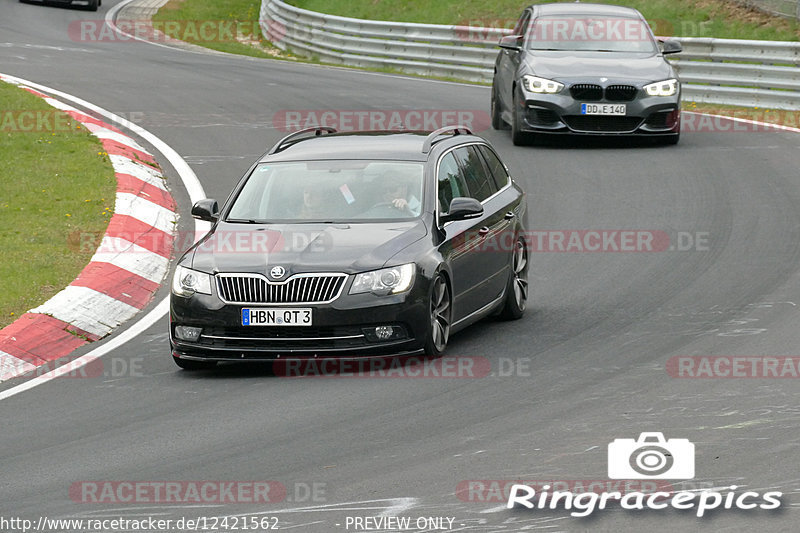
384 333
188 333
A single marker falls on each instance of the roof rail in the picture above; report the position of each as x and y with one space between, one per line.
295 137
431 139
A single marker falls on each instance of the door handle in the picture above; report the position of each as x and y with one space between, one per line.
483 232
510 215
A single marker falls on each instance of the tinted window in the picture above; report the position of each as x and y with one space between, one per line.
335 190
591 33
495 166
449 181
479 183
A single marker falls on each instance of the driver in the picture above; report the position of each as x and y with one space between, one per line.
396 193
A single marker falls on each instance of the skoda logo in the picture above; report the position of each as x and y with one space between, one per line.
277 272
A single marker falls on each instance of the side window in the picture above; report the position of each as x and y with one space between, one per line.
522 23
480 185
496 167
449 182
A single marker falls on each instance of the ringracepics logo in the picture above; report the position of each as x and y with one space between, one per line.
650 456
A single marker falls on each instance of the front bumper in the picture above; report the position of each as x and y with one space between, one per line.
340 329
561 114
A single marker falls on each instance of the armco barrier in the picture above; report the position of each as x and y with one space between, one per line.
719 71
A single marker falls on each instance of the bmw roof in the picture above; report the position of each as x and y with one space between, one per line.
578 8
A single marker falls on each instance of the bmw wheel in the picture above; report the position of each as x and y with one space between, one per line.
518 137
497 120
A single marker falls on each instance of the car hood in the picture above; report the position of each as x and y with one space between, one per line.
310 247
572 66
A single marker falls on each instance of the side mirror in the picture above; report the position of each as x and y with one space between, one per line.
511 42
462 209
671 47
206 209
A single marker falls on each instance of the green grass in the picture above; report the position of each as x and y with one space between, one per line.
245 39
56 183
677 18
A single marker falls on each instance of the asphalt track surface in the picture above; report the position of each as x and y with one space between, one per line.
592 347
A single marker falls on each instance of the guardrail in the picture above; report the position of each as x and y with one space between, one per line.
720 71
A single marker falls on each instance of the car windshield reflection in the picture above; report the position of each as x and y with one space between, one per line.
330 191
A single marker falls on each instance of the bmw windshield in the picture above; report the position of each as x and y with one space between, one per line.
330 191
584 33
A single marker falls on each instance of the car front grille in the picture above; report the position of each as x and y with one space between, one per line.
586 91
602 124
621 93
298 289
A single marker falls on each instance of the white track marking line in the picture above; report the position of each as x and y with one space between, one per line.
193 187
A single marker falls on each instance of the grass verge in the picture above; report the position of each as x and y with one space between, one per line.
57 182
233 26
677 18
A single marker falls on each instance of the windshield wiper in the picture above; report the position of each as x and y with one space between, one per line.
246 221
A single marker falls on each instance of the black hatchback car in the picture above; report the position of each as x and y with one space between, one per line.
586 69
352 245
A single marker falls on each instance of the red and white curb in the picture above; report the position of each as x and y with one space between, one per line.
121 277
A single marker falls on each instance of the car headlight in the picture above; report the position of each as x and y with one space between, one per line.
536 84
662 88
186 282
391 280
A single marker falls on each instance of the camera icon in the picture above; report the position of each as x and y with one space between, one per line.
651 457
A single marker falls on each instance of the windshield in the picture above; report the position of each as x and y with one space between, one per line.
330 191
591 34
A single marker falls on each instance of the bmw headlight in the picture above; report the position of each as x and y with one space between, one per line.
391 280
536 84
662 88
186 282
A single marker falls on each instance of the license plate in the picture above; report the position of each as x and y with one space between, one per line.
263 316
603 109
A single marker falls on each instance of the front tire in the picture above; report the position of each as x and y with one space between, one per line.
440 312
517 287
190 364
92 5
497 120
518 137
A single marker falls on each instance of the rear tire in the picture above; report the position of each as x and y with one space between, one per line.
190 364
92 5
517 287
440 313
